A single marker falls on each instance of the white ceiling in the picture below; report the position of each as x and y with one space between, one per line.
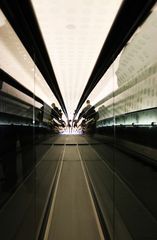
16 61
74 32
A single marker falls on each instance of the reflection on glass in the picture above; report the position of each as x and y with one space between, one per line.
131 112
26 175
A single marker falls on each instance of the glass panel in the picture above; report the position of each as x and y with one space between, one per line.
28 160
135 158
17 158
100 158
127 130
47 157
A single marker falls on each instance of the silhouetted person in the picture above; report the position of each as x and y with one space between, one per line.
55 112
85 109
90 117
69 126
75 124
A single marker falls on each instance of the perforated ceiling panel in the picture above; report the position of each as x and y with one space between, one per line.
74 32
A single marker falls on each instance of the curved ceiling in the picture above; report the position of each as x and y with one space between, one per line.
74 33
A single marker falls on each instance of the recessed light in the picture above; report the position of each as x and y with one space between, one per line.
70 26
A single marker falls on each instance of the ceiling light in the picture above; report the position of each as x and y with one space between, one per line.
70 26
